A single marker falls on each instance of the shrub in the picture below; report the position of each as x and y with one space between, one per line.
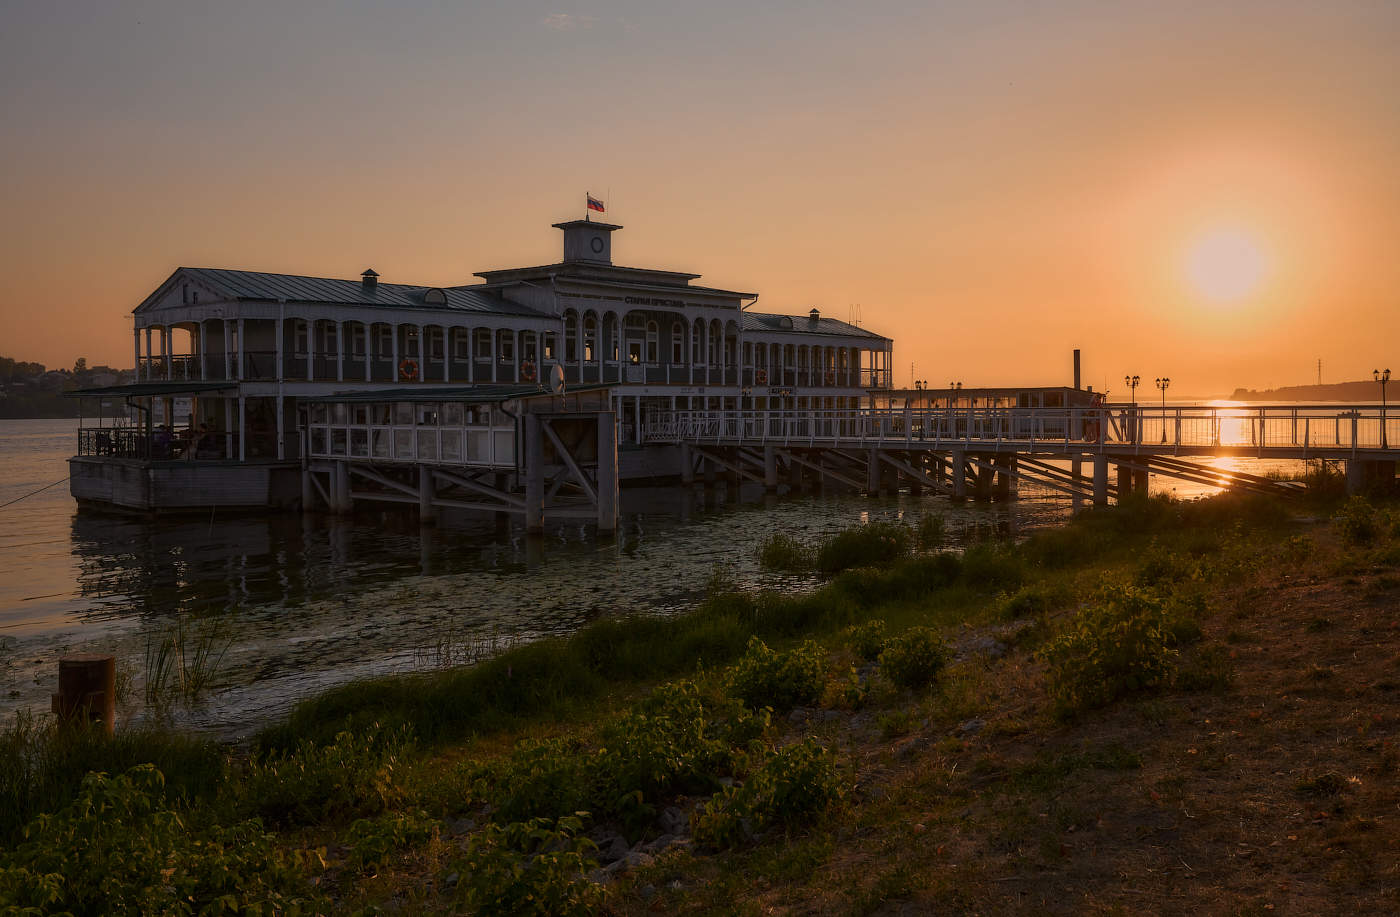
783 552
915 658
1357 522
352 777
1117 646
794 786
764 678
930 531
864 546
533 867
993 566
373 840
42 765
119 847
1032 602
541 777
867 640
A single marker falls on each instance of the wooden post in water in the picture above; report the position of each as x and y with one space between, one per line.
872 472
958 468
87 690
1125 482
1100 480
687 464
427 511
607 471
770 468
534 475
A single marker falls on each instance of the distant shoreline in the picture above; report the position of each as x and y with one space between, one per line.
1364 390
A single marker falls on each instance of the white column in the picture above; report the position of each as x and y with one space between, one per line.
281 427
228 360
578 333
369 349
422 353
446 354
495 353
242 433
149 374
165 350
280 326
310 349
136 352
242 350
394 351
339 350
203 351
471 353
519 352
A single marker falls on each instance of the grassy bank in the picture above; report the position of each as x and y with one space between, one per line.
928 728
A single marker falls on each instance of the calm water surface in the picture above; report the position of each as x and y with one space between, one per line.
307 602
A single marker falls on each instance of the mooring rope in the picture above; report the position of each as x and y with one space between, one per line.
32 493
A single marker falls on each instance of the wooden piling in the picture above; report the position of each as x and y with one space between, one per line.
87 690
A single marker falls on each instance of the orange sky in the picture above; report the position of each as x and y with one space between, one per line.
994 184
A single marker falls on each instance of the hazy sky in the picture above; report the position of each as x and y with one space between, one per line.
1207 191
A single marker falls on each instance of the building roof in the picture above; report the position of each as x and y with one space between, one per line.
801 324
187 387
262 287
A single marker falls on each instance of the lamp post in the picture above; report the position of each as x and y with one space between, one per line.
1382 376
1132 383
1162 384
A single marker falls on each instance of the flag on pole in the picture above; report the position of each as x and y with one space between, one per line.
595 204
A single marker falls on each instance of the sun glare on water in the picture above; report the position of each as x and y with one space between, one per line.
1226 265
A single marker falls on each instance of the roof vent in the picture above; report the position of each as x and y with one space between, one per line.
814 314
369 280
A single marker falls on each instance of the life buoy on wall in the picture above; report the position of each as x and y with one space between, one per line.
527 371
760 377
408 369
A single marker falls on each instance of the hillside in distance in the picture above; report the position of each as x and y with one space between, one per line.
1365 390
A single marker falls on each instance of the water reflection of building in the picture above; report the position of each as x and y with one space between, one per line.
254 351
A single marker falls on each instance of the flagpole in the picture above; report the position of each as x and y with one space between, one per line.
587 213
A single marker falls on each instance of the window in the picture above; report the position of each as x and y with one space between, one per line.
410 342
653 334
549 346
328 342
590 339
483 344
507 348
357 340
299 338
435 343
386 340
677 344
461 344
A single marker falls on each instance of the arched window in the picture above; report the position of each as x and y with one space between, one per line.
590 339
677 344
570 337
653 342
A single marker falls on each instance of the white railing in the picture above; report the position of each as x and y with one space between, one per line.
1303 427
439 433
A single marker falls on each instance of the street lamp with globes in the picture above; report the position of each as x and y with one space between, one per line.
1382 376
1162 384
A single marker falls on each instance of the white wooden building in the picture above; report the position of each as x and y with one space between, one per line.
254 350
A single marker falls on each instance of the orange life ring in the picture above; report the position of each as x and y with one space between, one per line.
408 369
760 377
527 371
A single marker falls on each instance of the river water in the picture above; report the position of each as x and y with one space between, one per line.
297 604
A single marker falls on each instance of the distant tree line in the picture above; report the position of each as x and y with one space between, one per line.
33 390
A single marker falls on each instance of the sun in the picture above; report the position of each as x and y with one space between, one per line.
1226 264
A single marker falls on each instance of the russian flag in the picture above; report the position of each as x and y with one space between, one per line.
595 204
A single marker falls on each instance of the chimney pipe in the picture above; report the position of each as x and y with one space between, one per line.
1076 368
369 280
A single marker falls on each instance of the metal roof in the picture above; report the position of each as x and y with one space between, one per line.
156 388
255 285
469 394
801 324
